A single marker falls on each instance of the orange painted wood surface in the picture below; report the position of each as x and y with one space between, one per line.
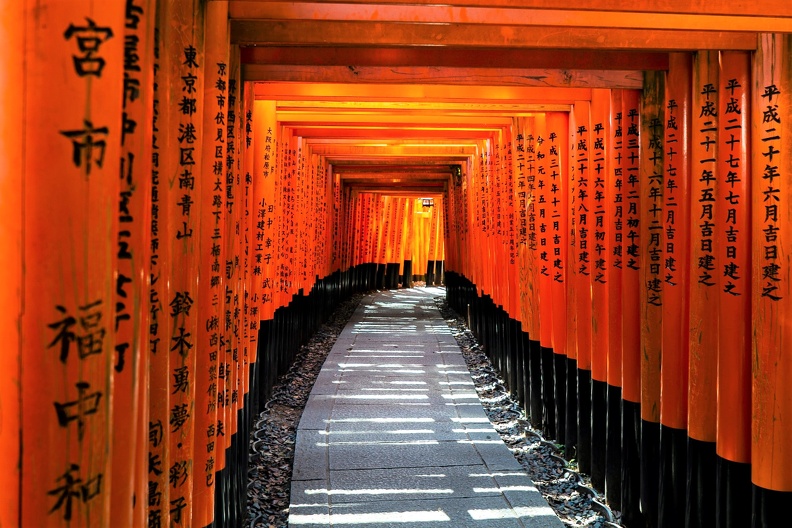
771 429
704 272
11 256
70 202
651 262
676 241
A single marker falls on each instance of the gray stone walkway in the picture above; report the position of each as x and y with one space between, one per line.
394 435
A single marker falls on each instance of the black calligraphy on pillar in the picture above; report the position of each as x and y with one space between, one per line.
733 276
708 127
773 207
555 197
71 488
617 190
583 201
598 168
654 277
673 156
632 169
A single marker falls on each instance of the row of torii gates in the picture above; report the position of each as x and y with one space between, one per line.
168 242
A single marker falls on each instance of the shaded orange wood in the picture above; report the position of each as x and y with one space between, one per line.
584 238
615 191
130 387
546 77
460 57
733 213
748 7
651 259
676 246
598 231
213 248
70 225
631 248
353 33
11 255
771 429
184 69
572 238
647 17
703 341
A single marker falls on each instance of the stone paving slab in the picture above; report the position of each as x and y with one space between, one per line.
394 434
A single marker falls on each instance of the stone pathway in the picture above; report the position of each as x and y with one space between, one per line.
394 434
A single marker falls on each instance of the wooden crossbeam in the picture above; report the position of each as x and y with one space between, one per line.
354 33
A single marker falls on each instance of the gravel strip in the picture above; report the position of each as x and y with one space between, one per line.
275 430
569 493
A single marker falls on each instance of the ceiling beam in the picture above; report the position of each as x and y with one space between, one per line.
549 78
754 8
468 109
513 16
456 57
418 92
353 33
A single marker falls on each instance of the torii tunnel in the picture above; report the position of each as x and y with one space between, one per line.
189 187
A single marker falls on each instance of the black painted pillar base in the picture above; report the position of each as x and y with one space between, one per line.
650 471
571 414
584 421
439 273
548 388
770 508
700 509
560 396
430 266
407 281
599 430
732 489
535 357
613 448
672 500
632 517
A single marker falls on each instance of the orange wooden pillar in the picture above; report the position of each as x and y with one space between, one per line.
733 246
771 431
130 379
600 262
70 172
571 429
11 255
651 285
703 338
544 252
184 69
212 253
675 301
615 185
631 336
584 244
558 172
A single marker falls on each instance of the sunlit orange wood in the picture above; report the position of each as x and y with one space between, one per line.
353 33
440 94
70 202
558 172
11 255
445 75
703 339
